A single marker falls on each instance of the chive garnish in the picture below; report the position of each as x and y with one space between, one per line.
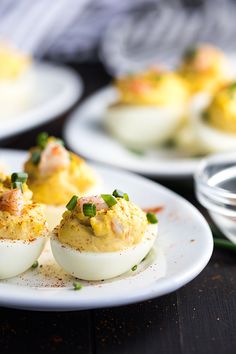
119 194
152 219
134 268
19 177
126 197
72 203
89 209
42 140
232 86
224 244
136 151
35 158
109 199
77 286
231 89
35 265
17 185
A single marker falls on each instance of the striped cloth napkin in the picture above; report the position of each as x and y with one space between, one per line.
126 35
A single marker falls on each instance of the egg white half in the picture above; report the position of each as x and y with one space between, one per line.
103 265
207 138
16 256
142 126
212 139
16 94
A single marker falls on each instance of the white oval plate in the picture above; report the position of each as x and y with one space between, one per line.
182 250
84 128
54 90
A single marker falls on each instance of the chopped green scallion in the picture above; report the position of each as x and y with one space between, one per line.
224 244
134 268
77 286
42 140
89 209
232 89
109 199
126 197
35 157
19 177
232 86
35 265
136 151
119 194
151 218
72 203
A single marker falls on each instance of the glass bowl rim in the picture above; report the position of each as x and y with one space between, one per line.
201 182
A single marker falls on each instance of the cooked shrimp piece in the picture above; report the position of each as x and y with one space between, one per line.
205 57
12 201
116 226
53 157
97 200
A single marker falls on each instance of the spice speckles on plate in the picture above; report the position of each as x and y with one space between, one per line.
48 274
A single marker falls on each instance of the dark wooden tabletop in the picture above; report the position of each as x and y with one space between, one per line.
198 318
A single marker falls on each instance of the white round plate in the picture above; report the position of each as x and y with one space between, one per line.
182 249
84 133
54 90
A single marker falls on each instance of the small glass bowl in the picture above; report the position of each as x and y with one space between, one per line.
215 187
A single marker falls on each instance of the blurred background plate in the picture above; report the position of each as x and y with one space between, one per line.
55 89
84 133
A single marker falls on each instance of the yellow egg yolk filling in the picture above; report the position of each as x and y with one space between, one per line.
157 88
27 226
56 188
221 113
203 69
121 226
20 219
12 62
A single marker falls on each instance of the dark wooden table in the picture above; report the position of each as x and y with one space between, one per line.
199 318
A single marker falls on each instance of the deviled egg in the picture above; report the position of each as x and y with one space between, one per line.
149 108
16 80
101 237
205 68
55 175
215 126
23 227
